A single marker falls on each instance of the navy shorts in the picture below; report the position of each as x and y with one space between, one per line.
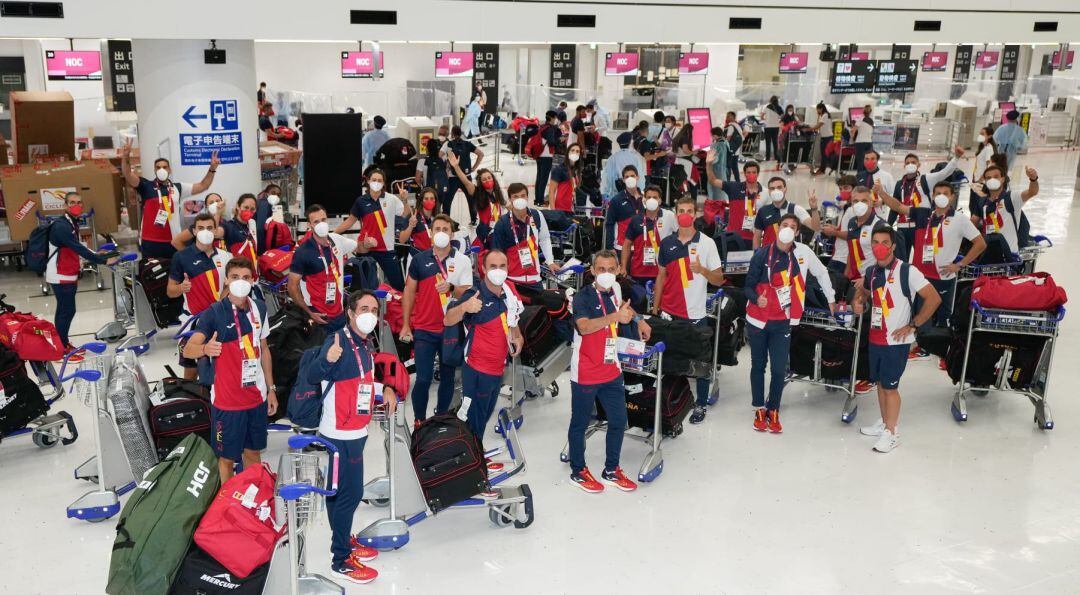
887 363
234 431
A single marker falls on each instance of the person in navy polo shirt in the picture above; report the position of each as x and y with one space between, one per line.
622 208
767 220
240 236
890 287
213 204
316 273
490 314
913 189
377 211
161 202
418 233
641 249
345 369
742 198
522 234
230 339
198 274
595 373
64 265
435 277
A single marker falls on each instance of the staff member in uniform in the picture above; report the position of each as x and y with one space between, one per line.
240 231
268 201
864 141
373 140
522 234
742 198
161 202
63 267
997 210
315 275
345 369
824 130
641 248
767 220
622 208
913 188
490 313
377 211
435 276
232 333
418 233
689 263
198 274
549 139
892 328
1011 138
613 167
595 372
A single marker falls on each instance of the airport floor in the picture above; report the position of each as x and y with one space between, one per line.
986 506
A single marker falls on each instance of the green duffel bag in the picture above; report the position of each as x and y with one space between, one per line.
157 523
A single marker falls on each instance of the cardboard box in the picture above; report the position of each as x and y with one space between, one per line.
274 154
32 189
42 126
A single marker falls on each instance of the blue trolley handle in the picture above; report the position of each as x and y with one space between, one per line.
295 491
651 351
712 298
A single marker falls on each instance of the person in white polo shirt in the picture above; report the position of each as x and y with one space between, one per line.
995 209
890 287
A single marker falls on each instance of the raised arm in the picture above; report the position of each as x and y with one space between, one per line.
125 165
204 184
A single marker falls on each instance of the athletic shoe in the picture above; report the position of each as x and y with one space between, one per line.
918 354
361 575
698 415
493 466
361 552
73 355
887 441
416 423
489 495
586 481
759 420
874 430
942 365
864 386
618 479
774 422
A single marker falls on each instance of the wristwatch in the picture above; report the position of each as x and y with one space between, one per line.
272 387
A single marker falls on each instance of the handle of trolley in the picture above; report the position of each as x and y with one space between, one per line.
645 362
1018 321
304 474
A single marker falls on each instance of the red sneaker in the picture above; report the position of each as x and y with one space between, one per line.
416 424
586 481
72 354
618 479
361 552
774 422
942 365
759 420
864 386
355 572
493 465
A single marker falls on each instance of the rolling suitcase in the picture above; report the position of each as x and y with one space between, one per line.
540 340
675 403
201 574
21 400
449 461
174 419
154 277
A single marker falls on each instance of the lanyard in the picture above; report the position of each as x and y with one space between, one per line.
246 342
933 233
652 236
790 267
356 354
331 265
881 291
528 227
166 200
600 298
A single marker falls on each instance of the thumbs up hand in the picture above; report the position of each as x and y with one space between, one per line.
212 347
473 305
625 313
334 353
185 285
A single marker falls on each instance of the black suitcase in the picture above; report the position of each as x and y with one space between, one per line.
935 340
449 461
540 337
154 278
21 400
201 574
176 387
837 347
982 361
173 420
291 333
675 404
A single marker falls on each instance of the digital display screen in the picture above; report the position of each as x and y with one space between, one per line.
73 66
693 62
360 65
934 61
793 62
453 64
621 64
701 119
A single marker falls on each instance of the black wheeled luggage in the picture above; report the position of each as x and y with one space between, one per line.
21 400
449 461
174 419
539 334
154 277
675 403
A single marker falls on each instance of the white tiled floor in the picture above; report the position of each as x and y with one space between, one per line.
985 507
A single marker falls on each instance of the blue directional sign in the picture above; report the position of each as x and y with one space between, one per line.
209 126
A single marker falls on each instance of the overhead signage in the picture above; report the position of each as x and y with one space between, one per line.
701 119
73 66
934 61
896 76
361 65
119 76
901 52
208 127
987 60
793 62
853 76
486 72
563 65
693 62
1010 58
453 64
621 64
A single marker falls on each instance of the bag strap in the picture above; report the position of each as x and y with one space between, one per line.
122 531
905 282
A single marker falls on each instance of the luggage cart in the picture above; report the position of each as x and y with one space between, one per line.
805 144
275 295
1030 253
568 278
714 306
841 322
400 488
563 241
86 229
650 365
1014 322
302 483
131 307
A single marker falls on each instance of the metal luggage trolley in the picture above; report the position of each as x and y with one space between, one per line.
841 322
804 142
275 295
131 307
1030 253
88 229
302 483
592 215
563 240
650 365
1013 322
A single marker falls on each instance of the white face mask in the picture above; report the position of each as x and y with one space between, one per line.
776 195
273 199
322 229
240 288
574 157
941 201
630 182
442 138
981 138
786 235
860 208
375 186
521 204
605 280
911 168
441 239
365 322
993 184
496 276
204 237
162 174
651 204
212 208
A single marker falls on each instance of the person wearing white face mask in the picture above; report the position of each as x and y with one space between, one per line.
626 155
315 275
913 189
523 235
767 219
622 208
214 205
269 210
564 181
640 255
996 208
984 152
378 211
234 361
490 314
595 373
435 277
161 200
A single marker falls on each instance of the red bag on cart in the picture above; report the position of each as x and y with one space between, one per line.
395 312
10 323
1036 291
277 234
238 529
39 341
274 265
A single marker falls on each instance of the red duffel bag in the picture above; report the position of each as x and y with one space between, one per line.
10 323
274 265
39 341
1036 291
238 529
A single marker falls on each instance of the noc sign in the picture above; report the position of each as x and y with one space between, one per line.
853 76
209 126
563 65
896 76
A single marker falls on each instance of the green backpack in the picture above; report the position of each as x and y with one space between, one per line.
157 523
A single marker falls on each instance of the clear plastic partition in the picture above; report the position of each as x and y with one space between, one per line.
293 103
537 99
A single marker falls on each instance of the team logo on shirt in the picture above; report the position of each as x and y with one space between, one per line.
196 262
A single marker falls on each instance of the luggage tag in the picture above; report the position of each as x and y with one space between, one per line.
363 398
331 292
876 317
249 372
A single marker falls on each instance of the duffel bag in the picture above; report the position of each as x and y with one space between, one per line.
675 403
982 361
21 400
1036 291
557 220
934 340
681 338
238 530
39 341
201 574
449 461
274 264
156 525
395 312
10 323
306 399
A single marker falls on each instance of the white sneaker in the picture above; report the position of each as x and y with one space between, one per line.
887 442
874 430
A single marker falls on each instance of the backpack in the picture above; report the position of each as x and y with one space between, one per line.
306 399
905 281
736 141
535 145
37 249
157 523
